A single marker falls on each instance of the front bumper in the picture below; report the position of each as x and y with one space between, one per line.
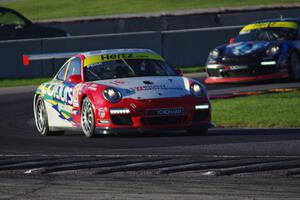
229 73
151 114
117 131
212 80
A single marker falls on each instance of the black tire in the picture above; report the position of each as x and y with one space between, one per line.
41 119
87 118
198 131
294 67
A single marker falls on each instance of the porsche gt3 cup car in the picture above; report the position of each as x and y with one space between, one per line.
115 91
267 49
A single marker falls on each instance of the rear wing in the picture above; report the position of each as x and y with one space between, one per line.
47 56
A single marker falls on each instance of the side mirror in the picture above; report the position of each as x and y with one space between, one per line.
75 78
232 40
19 27
178 72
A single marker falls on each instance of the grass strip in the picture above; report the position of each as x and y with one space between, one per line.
279 110
22 82
192 69
50 9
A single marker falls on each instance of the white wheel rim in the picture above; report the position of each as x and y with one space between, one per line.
40 116
87 118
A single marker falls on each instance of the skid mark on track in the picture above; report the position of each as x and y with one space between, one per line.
152 164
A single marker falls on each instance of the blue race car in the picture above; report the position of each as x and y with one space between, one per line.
263 50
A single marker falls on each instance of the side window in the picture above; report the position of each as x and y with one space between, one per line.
74 68
61 73
9 18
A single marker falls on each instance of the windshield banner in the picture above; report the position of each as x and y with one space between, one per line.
292 25
109 57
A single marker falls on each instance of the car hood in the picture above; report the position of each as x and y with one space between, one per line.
248 48
150 87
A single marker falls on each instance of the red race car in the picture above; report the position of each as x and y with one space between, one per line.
116 91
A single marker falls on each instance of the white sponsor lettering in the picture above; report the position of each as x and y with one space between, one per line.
169 112
58 92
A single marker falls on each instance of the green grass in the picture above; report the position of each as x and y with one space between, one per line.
22 82
49 9
192 69
280 110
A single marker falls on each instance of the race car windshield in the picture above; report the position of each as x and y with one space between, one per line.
125 68
267 34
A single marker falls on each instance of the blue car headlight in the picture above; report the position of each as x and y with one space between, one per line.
272 51
214 54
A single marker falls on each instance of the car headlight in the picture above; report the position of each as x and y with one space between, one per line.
214 54
112 95
272 51
197 90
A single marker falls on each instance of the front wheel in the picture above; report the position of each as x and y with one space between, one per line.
294 67
87 118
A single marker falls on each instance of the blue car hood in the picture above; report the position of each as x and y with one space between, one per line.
245 48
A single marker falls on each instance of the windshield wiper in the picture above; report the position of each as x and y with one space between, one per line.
94 74
130 68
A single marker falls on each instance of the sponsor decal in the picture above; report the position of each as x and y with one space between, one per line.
245 48
58 92
165 112
238 67
101 112
107 57
103 121
62 99
292 25
117 82
133 105
154 87
76 93
67 108
89 61
148 82
93 87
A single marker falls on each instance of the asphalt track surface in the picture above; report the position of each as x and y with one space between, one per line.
18 133
192 164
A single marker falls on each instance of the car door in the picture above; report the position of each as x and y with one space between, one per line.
69 109
60 109
54 103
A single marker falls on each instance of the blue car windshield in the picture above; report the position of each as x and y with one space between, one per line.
267 34
125 68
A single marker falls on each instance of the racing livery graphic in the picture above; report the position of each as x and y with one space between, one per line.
266 49
115 91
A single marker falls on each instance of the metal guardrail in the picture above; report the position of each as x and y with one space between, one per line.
180 48
187 47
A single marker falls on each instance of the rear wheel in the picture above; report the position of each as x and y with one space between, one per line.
41 118
87 118
198 131
294 67
40 115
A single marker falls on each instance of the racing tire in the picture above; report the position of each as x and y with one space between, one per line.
294 67
87 118
198 131
41 119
